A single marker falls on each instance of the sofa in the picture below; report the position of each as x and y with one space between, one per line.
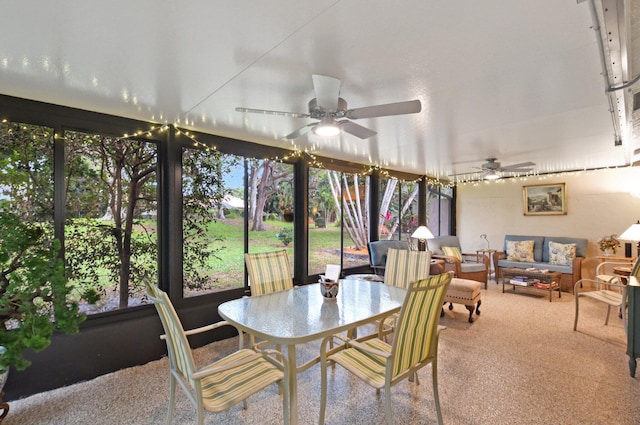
553 253
466 265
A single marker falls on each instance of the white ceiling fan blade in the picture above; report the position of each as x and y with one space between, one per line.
480 171
356 129
400 108
327 91
516 170
268 112
299 132
518 167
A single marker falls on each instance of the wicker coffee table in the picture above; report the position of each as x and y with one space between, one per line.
544 277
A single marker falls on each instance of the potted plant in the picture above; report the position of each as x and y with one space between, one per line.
35 298
608 244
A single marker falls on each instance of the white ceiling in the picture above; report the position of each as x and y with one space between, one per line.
513 79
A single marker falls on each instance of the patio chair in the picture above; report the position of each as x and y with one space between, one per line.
224 383
465 266
378 253
609 289
268 272
402 268
415 345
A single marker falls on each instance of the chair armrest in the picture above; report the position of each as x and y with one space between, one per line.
497 256
613 264
206 328
446 258
477 258
450 263
600 284
362 347
576 268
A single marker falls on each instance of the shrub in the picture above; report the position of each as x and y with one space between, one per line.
285 235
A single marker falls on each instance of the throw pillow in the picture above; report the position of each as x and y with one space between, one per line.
520 251
561 254
453 251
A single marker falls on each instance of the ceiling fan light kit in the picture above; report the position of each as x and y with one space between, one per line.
327 128
492 175
328 105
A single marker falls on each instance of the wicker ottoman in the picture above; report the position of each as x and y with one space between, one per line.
466 292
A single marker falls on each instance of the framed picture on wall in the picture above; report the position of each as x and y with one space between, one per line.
544 199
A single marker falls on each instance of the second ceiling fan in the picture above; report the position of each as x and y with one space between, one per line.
492 169
333 114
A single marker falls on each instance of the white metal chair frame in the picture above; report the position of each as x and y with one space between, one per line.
399 361
609 289
195 383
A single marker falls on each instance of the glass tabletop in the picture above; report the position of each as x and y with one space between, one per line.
302 314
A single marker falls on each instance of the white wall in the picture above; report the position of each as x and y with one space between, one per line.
598 204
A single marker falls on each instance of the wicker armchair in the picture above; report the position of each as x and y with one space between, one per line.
465 266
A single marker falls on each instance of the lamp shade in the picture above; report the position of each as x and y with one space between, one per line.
422 233
632 233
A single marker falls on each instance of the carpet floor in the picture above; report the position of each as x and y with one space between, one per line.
520 362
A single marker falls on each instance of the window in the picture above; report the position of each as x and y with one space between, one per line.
408 207
355 220
398 209
213 225
111 210
270 206
324 219
439 200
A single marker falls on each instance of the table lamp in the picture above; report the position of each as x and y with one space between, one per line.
632 234
483 236
422 233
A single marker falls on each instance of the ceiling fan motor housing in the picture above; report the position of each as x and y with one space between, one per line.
317 112
492 164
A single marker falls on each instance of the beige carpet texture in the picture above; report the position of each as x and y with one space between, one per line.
520 362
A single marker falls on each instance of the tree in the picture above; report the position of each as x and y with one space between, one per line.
26 166
126 171
265 177
355 217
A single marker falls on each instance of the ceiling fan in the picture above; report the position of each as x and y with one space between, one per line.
492 169
332 112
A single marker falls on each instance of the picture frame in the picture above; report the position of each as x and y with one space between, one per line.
544 199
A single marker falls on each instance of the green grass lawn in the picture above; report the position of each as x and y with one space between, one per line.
228 267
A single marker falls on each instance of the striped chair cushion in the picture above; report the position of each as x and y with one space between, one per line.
224 389
418 322
232 379
368 367
404 266
268 272
414 338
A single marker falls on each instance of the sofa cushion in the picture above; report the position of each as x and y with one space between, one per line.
436 244
470 267
581 246
537 244
539 266
520 251
561 254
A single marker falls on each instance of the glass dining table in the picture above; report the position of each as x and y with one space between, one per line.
300 315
